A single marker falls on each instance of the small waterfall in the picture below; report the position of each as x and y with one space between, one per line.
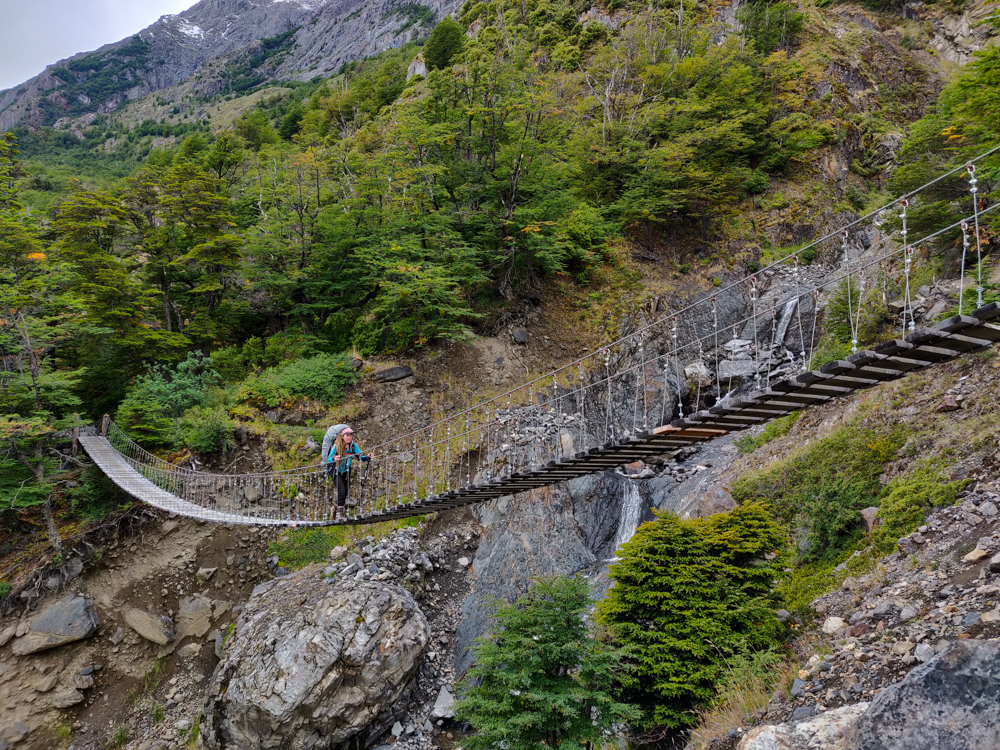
786 318
631 514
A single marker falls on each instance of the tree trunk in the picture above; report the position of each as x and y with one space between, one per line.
50 526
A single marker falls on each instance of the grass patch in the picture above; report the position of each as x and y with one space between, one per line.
906 500
119 737
801 586
150 681
774 429
300 547
823 487
746 688
64 733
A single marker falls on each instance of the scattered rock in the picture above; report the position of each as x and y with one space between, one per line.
991 616
977 555
924 652
463 561
870 519
6 634
948 404
831 731
156 628
833 625
205 573
519 336
45 683
189 651
902 647
66 697
71 618
194 617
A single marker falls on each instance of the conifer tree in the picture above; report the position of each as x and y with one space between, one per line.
688 595
540 679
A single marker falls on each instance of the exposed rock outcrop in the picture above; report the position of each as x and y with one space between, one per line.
313 663
949 703
312 38
833 730
69 619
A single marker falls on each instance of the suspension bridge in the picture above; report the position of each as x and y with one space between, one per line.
618 404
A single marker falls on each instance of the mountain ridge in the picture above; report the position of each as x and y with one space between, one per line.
318 37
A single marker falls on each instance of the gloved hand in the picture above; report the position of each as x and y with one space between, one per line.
366 459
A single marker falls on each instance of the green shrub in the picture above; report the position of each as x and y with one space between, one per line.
297 548
540 679
5 588
905 500
207 429
798 587
856 313
230 364
324 377
824 486
769 26
96 496
774 429
689 595
163 395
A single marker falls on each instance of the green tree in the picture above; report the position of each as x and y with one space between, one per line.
540 679
37 319
444 44
688 595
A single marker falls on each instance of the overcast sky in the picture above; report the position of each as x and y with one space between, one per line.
34 33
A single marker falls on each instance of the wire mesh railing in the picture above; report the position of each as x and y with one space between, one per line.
683 365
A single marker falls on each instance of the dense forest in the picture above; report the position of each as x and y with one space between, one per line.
168 273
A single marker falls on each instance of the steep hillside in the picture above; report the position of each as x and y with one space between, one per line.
259 40
231 260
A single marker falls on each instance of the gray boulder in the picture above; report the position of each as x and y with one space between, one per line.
71 618
832 730
950 703
156 628
734 372
393 374
444 706
315 665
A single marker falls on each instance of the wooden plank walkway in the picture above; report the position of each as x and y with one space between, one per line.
892 360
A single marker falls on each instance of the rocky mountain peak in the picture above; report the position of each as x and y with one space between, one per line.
274 39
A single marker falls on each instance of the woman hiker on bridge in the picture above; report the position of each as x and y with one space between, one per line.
339 466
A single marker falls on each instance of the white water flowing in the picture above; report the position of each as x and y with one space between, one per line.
786 319
631 514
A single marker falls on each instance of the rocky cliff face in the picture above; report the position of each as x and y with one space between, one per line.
274 39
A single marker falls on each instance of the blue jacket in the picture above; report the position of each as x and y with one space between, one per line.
345 462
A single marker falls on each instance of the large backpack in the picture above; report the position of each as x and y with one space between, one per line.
328 439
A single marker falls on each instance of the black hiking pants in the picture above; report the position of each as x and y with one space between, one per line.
343 482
